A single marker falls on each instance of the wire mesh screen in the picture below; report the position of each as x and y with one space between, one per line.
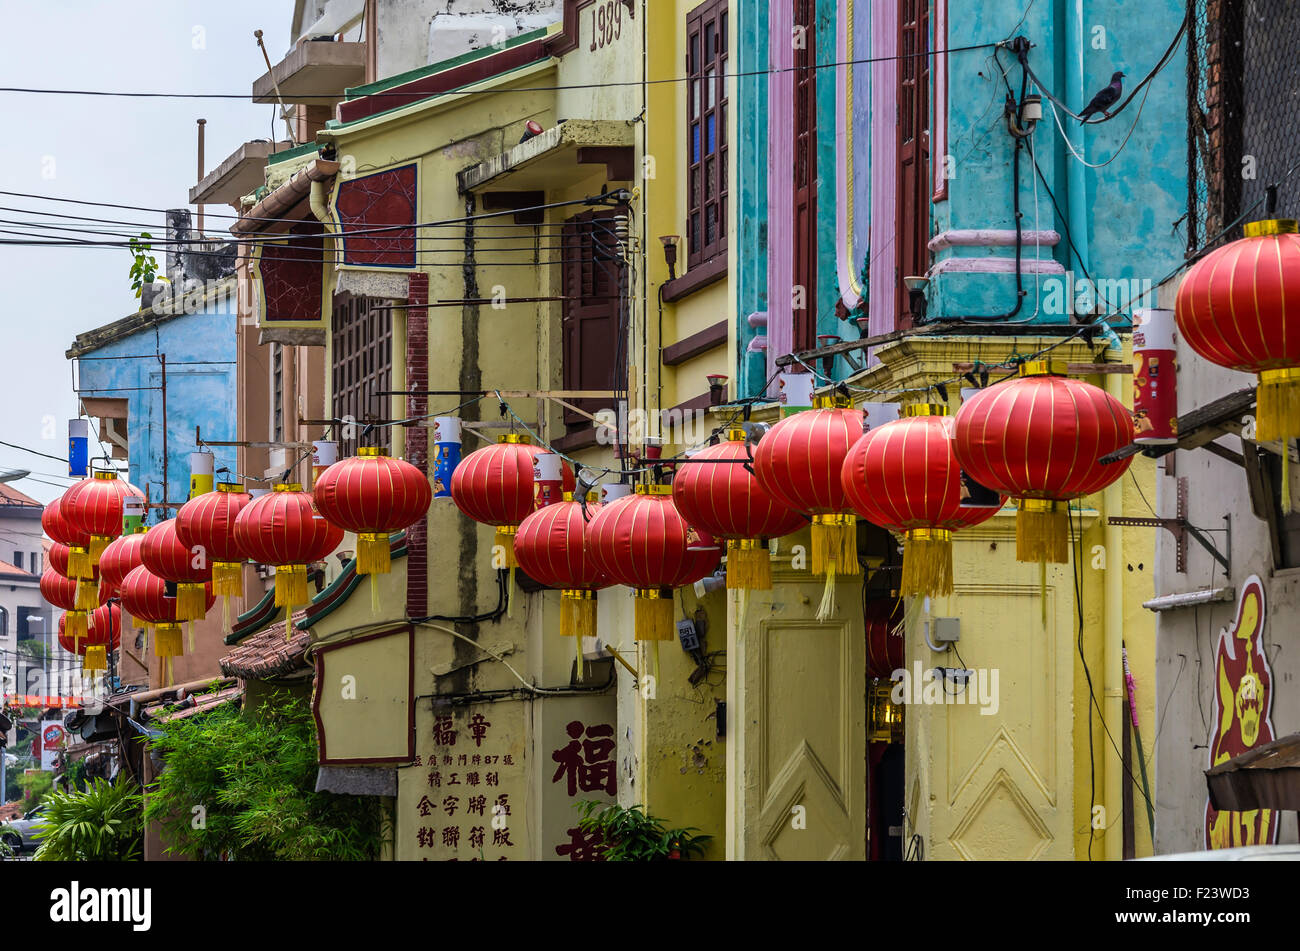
1243 94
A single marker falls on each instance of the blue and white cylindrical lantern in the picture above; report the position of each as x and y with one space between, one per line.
446 453
796 392
324 453
202 466
78 447
133 510
548 479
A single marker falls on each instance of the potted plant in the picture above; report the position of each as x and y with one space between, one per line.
633 835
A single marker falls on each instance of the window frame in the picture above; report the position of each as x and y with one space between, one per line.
361 365
699 200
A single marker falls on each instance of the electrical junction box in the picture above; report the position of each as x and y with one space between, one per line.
686 633
945 630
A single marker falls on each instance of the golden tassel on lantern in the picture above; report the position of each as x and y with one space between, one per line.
652 619
749 566
79 563
228 578
505 539
76 624
1043 531
578 619
87 595
97 545
835 543
167 640
927 562
1277 405
290 585
191 601
373 556
96 658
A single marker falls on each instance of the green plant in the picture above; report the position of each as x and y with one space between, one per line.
243 787
36 786
100 824
633 835
143 264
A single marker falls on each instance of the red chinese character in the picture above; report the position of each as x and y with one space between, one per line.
435 778
471 779
443 733
425 837
452 780
451 836
586 764
450 803
508 760
446 759
462 759
493 779
476 837
478 725
477 804
425 806
475 760
582 846
502 806
501 837
418 761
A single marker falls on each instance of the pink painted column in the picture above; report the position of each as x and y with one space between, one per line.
780 184
884 168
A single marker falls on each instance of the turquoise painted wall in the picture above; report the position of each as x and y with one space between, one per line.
200 350
750 188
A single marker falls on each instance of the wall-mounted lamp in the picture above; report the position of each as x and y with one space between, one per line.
670 252
717 388
532 129
884 717
916 302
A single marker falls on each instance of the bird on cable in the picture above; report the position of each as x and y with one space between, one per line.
1104 99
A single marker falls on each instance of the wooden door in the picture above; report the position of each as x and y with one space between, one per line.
594 350
913 218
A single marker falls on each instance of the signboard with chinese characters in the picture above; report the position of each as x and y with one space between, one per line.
470 803
577 761
1243 695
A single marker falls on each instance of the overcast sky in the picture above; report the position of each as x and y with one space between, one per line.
129 151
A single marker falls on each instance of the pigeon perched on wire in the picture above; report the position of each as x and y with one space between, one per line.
1104 99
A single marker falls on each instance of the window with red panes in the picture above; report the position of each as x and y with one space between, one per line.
706 132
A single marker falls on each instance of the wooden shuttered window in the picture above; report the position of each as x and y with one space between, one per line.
362 343
595 278
913 209
707 56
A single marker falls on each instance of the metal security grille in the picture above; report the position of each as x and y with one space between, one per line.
1243 100
363 367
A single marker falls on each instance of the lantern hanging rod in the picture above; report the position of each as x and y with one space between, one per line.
1075 369
200 441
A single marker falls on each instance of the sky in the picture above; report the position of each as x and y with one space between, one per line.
127 151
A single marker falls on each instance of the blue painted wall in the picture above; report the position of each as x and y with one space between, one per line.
750 253
200 350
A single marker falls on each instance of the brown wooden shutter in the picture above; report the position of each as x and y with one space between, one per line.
363 368
805 177
707 58
913 220
594 276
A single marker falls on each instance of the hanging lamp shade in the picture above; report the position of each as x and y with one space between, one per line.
799 462
1239 307
903 476
163 553
282 529
207 522
715 492
1038 438
372 495
494 485
641 541
73 645
96 505
553 546
59 529
103 636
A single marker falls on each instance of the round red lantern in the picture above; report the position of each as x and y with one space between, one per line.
56 557
283 529
641 541
57 526
554 548
373 496
144 597
120 557
1239 307
207 523
715 492
494 485
903 476
73 645
103 636
798 462
1038 438
95 506
167 557
59 590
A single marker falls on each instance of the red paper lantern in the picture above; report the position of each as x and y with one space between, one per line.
494 485
373 496
553 546
641 541
798 462
207 523
59 590
1239 307
167 557
903 476
283 529
104 635
73 645
57 526
95 506
1038 438
724 499
56 557
120 558
144 597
